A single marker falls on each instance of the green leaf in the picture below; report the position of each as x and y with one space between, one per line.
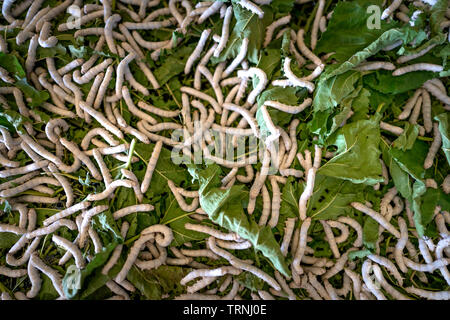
173 64
444 129
12 65
406 140
361 254
331 198
370 233
224 207
176 218
250 281
357 158
331 91
384 82
97 262
154 283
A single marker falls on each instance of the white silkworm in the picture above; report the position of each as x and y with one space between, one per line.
87 217
304 49
388 265
181 202
301 247
371 286
157 111
203 96
276 203
418 67
262 82
110 189
435 91
342 228
238 59
23 170
429 267
391 128
245 114
288 231
12 273
307 193
66 212
212 232
12 229
105 123
151 167
98 32
28 185
271 28
200 253
287 108
330 238
430 295
446 185
403 59
195 55
375 65
433 148
54 276
64 183
103 168
377 217
225 31
246 4
390 10
389 289
133 109
52 228
315 27
355 225
110 24
294 79
239 264
117 250
91 73
212 9
136 187
69 246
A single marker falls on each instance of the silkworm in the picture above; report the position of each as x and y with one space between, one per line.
28 185
195 55
70 66
97 32
245 114
54 276
287 108
157 111
246 4
181 202
50 228
225 31
301 246
389 289
136 187
377 217
355 225
271 28
212 9
435 91
12 273
391 128
69 246
239 264
315 27
418 67
342 228
238 59
66 212
406 58
288 231
211 231
373 288
110 189
446 185
200 253
202 96
390 10
276 203
23 170
105 123
375 65
435 145
92 72
117 250
87 217
307 193
262 82
430 295
304 49
293 78
27 31
429 267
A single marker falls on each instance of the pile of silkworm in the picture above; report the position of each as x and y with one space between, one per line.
219 96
